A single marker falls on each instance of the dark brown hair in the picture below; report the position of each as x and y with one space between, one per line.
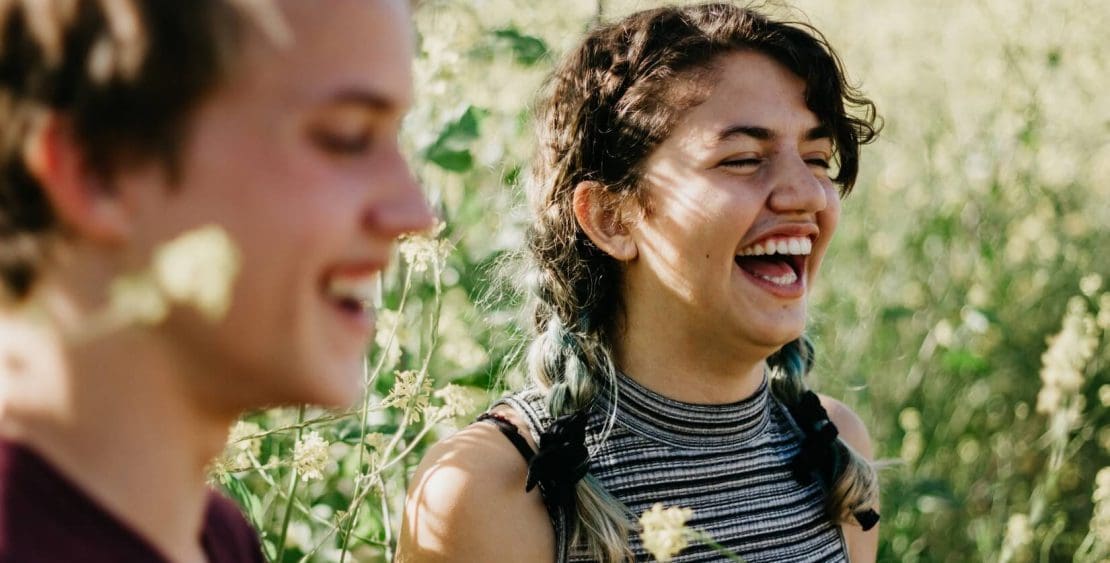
125 75
607 106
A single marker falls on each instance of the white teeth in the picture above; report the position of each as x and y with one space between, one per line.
785 279
361 289
795 246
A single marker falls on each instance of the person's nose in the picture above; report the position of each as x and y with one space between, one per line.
797 186
400 206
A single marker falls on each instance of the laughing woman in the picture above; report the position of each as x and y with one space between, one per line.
688 182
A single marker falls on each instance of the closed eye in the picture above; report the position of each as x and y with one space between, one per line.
818 162
343 144
742 162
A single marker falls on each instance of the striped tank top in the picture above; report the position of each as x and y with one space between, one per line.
729 463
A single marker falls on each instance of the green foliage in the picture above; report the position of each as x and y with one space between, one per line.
450 150
527 49
974 235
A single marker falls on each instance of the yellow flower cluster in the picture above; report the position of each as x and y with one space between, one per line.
410 393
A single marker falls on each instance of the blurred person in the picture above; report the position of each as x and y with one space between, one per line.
690 166
126 126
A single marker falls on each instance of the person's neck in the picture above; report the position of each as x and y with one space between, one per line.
113 417
686 366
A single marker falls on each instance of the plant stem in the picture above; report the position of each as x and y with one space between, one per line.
705 538
293 480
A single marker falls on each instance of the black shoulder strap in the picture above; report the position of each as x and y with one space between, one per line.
510 431
557 514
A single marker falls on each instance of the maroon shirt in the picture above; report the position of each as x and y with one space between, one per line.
46 518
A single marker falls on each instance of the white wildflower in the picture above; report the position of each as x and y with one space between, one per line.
1090 284
310 456
975 321
912 446
458 401
422 251
241 446
909 419
944 334
1067 355
1102 487
1019 534
136 299
1100 518
409 394
664 531
199 268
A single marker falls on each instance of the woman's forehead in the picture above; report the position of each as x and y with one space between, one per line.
357 48
750 96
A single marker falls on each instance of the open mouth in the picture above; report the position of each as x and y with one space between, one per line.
353 294
777 261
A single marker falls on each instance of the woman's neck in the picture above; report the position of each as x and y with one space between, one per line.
113 417
682 367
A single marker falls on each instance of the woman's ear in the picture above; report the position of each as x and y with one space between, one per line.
601 215
80 196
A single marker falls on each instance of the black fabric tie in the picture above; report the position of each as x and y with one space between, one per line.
819 456
561 461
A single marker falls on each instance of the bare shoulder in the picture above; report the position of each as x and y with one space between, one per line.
851 427
466 502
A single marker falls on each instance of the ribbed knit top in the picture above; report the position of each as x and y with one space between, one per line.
729 463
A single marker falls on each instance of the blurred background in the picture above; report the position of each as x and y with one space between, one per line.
963 311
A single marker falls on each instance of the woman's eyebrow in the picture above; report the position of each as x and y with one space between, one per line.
765 134
368 99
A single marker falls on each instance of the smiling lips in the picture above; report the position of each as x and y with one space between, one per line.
779 260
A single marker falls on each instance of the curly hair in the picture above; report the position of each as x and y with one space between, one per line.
126 76
607 106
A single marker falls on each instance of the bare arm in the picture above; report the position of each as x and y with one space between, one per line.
862 546
467 503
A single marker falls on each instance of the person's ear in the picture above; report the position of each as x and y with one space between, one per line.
602 217
81 197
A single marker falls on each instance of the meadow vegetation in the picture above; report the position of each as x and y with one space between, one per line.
963 309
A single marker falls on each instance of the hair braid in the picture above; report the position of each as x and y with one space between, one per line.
855 484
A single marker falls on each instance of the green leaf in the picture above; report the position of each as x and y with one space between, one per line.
527 49
245 498
464 129
964 361
450 150
450 160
